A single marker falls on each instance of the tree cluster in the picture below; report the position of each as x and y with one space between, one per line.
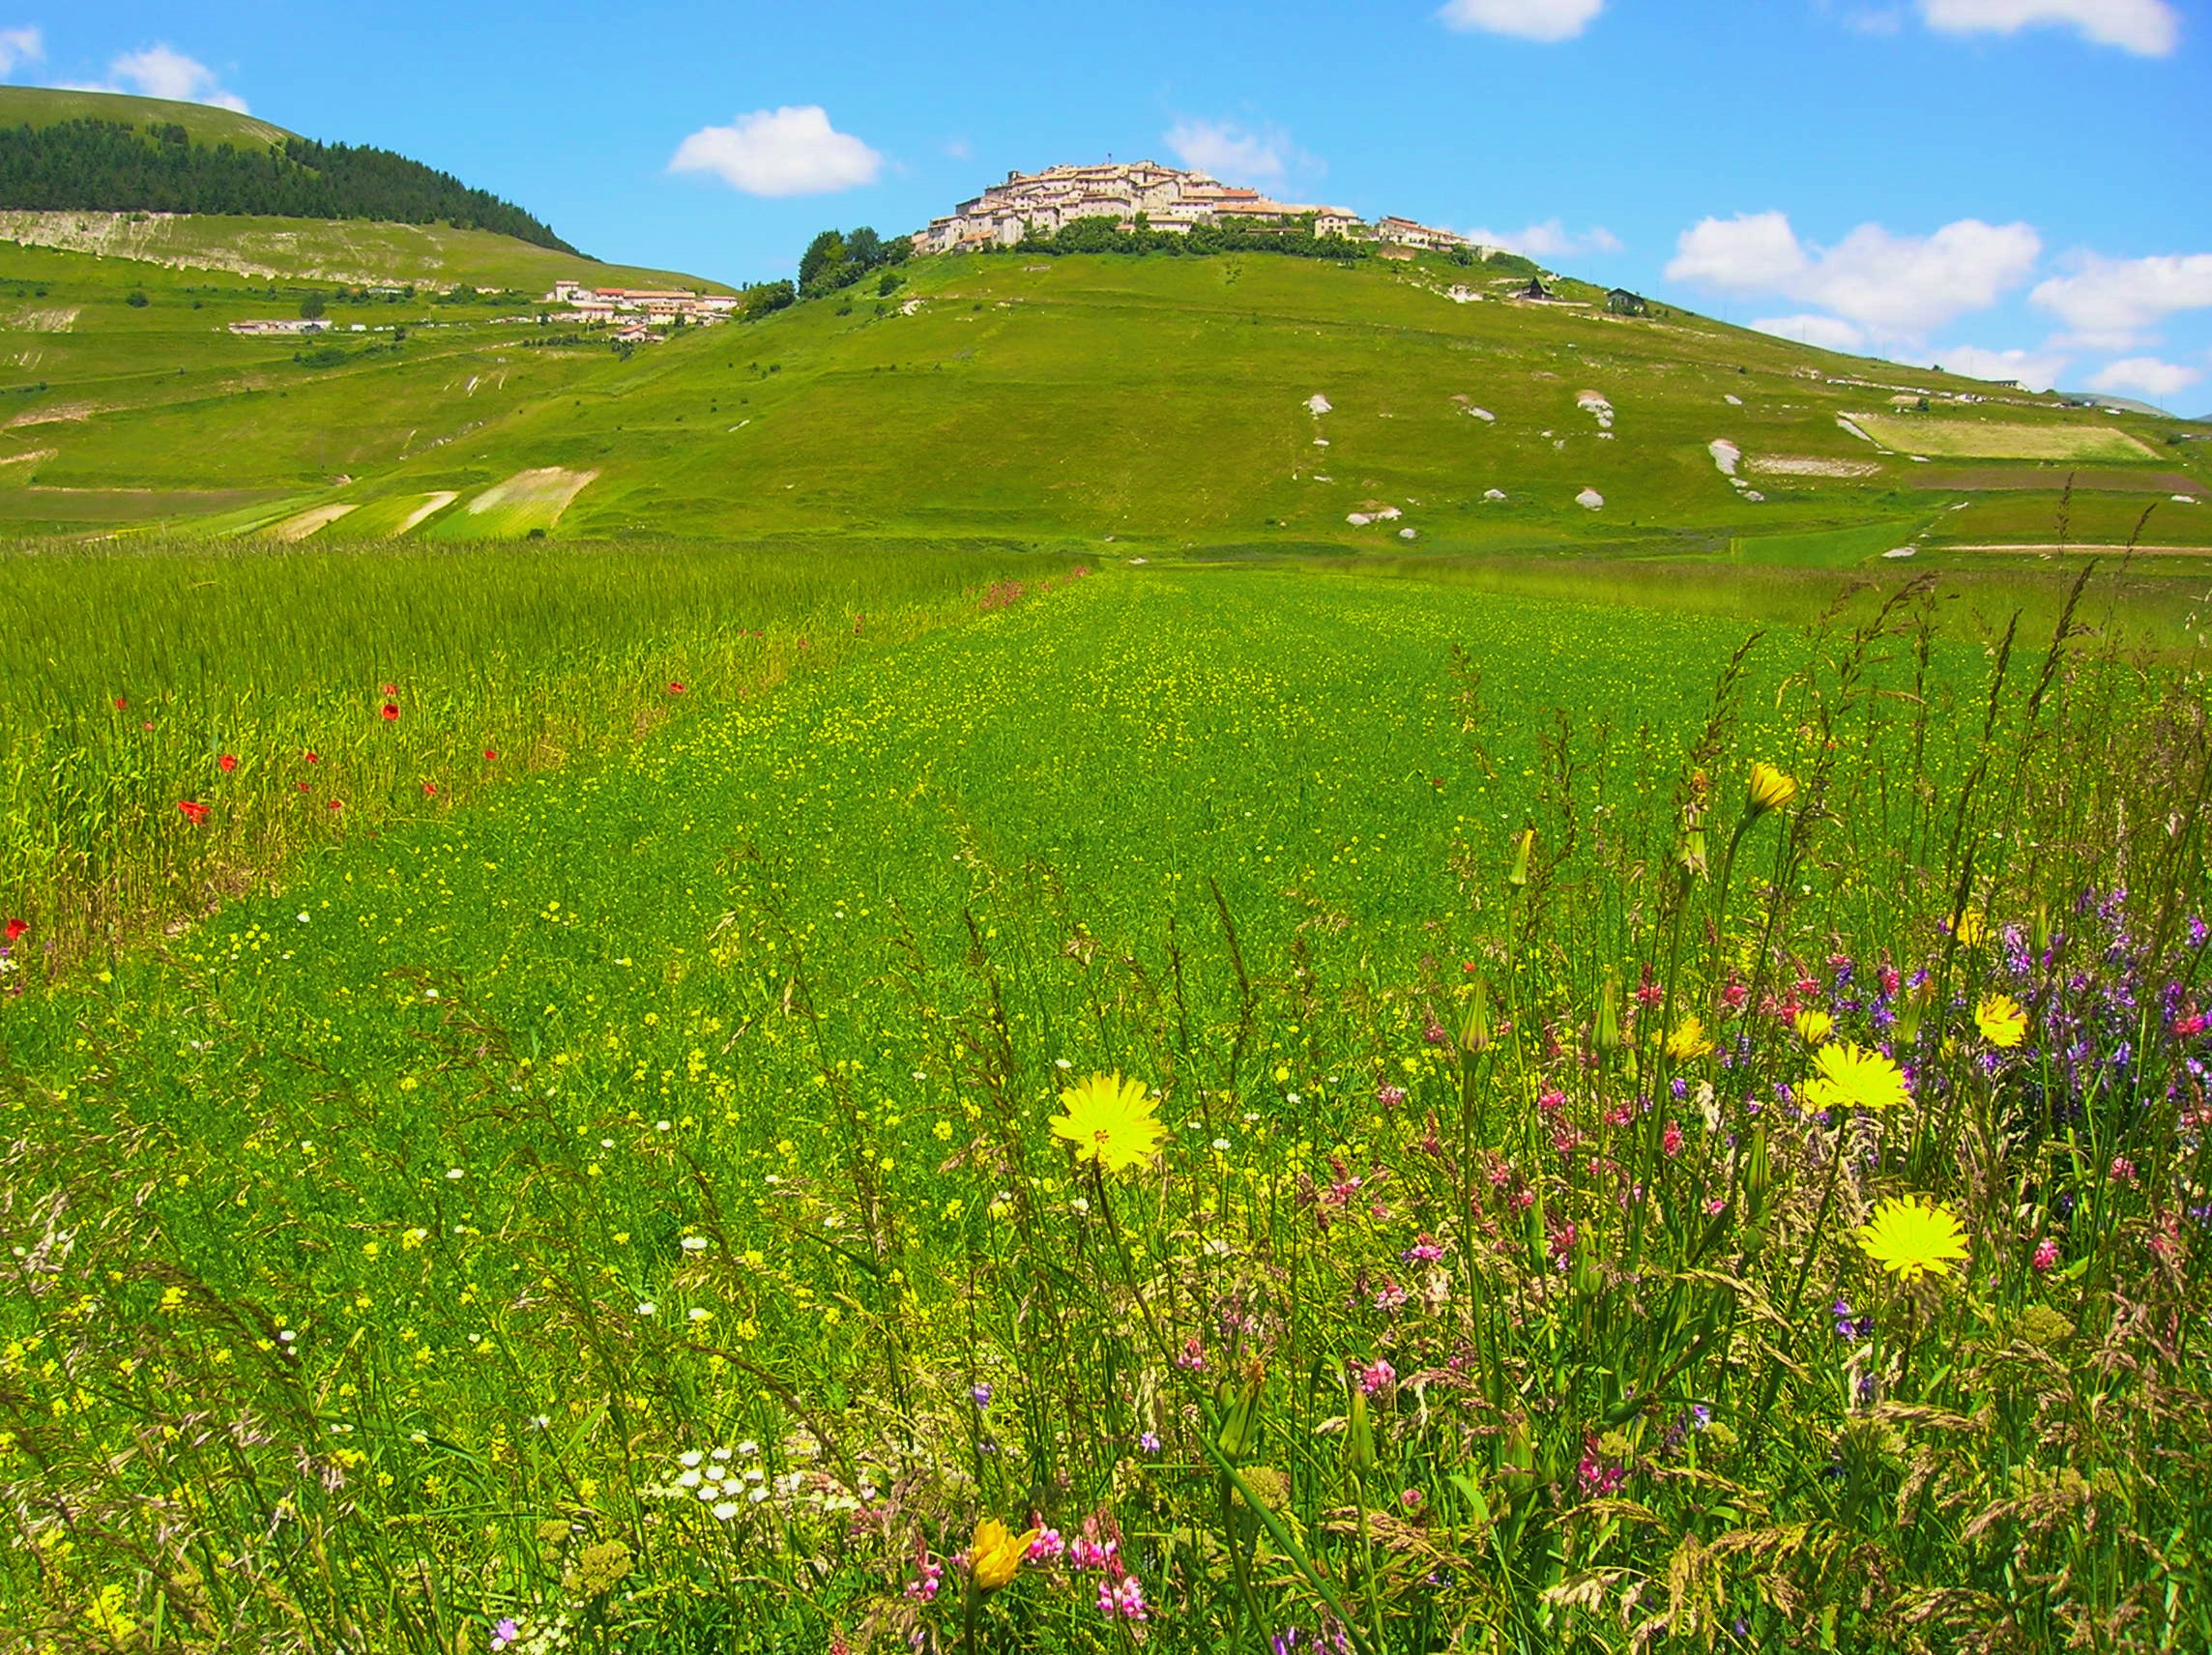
1292 238
839 258
111 167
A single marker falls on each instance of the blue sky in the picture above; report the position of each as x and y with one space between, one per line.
2009 187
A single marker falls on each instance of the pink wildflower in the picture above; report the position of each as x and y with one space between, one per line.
1671 1140
1125 1600
1380 1376
2046 1254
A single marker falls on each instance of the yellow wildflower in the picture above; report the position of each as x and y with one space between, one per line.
1771 790
1688 1040
1968 927
1852 1077
1814 1026
2000 1020
1110 1120
995 1555
1910 1238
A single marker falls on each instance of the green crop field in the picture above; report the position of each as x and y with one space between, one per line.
662 1202
2077 439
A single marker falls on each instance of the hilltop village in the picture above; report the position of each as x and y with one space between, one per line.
1134 195
1145 195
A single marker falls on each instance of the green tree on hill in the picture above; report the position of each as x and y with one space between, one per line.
312 306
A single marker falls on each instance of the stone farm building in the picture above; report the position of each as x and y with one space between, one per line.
1169 199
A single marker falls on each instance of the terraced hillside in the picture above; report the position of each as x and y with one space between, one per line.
1163 402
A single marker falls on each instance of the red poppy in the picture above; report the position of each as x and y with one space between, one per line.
314 757
193 813
675 689
120 701
16 927
391 689
227 762
302 786
491 753
338 804
430 790
390 711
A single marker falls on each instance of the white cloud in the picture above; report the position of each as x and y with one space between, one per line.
1828 332
778 153
2036 371
2149 28
1753 252
2110 302
1890 286
2145 375
1526 20
20 45
163 71
1230 151
1549 240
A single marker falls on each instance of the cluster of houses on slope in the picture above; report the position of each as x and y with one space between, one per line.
638 311
1160 198
1169 198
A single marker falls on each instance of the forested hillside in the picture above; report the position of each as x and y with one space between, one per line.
103 165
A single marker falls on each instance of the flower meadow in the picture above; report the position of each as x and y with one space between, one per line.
1207 1110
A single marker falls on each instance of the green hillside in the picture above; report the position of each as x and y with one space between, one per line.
1164 403
41 106
126 154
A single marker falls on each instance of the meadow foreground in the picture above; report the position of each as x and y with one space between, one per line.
1205 1109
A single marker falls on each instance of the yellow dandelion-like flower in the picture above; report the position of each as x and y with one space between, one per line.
1910 1238
1969 927
2000 1020
1812 1025
1771 790
995 1555
1852 1077
1110 1120
1688 1040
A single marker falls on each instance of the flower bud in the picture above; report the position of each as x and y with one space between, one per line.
1359 1434
1524 847
1609 1012
1692 855
1475 1032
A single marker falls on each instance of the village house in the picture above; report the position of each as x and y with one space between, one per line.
1406 233
656 307
286 326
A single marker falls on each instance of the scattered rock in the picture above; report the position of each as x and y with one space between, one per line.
1726 455
1591 499
1494 494
1358 519
1732 399
1317 405
1901 552
1408 533
1484 414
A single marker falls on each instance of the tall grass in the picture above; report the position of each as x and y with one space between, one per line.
631 1215
299 696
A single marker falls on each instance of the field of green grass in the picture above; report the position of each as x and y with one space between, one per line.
663 1205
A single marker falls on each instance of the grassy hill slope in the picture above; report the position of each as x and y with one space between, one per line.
1164 402
51 106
